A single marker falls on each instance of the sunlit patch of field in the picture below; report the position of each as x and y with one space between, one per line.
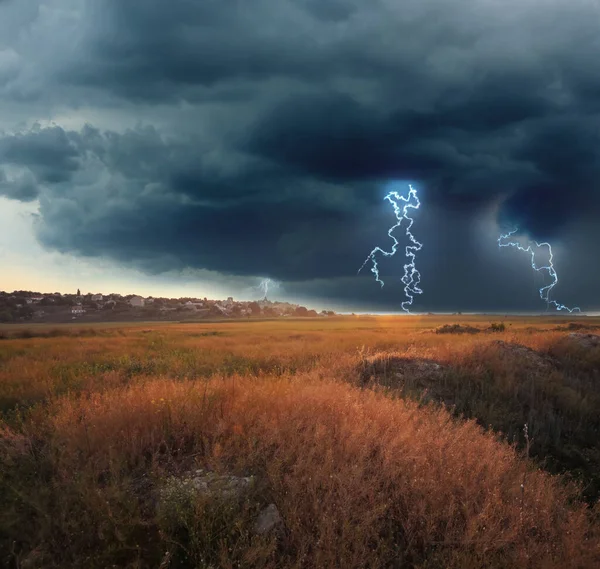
370 467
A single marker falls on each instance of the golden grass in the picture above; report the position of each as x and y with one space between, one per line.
33 369
361 480
94 423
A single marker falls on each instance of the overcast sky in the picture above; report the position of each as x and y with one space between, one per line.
193 147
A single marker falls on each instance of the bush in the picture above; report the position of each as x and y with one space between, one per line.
457 329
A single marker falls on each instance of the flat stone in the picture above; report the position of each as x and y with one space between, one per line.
205 483
268 520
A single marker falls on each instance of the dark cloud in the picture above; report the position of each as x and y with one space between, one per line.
273 129
22 187
139 198
47 153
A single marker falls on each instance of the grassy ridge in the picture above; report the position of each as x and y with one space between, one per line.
93 421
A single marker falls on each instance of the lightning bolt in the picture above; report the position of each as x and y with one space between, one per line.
265 285
549 268
411 278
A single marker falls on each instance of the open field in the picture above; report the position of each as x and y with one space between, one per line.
382 443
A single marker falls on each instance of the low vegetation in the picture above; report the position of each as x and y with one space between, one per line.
466 329
381 442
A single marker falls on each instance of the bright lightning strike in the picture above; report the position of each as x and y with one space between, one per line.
549 268
412 277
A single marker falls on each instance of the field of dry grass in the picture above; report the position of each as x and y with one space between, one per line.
382 442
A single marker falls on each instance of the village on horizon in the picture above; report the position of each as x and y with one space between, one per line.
29 306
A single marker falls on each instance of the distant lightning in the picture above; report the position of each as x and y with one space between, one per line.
412 277
266 285
549 268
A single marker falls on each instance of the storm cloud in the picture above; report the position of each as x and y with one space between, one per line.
258 139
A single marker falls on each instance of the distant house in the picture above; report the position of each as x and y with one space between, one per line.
149 300
77 309
222 309
137 301
97 298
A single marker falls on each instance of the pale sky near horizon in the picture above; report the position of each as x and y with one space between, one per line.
28 266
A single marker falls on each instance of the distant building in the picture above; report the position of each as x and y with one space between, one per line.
97 297
149 300
137 301
221 309
77 309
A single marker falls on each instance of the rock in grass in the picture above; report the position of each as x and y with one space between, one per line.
204 483
268 520
395 369
527 357
585 340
